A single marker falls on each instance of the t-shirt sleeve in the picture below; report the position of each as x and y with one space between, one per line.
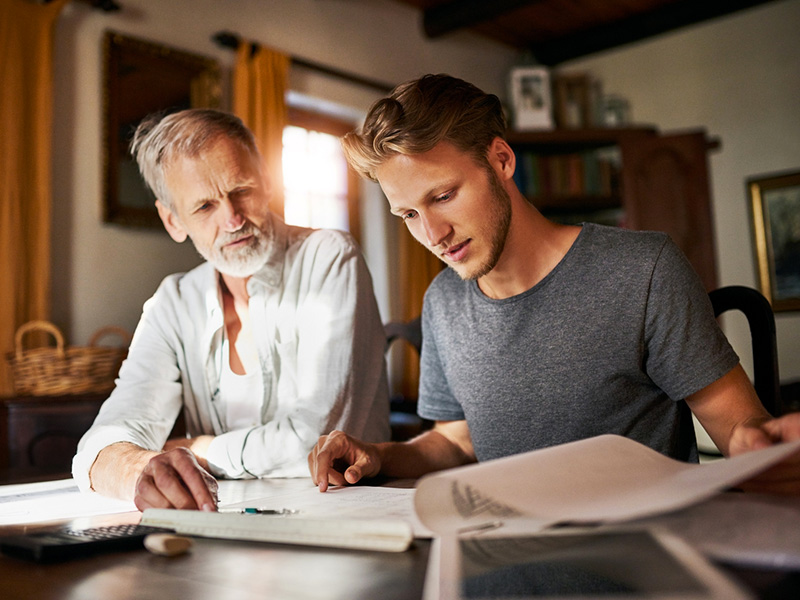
436 401
685 348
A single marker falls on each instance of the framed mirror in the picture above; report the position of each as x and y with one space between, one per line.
141 78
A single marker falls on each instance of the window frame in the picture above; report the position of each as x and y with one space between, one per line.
323 123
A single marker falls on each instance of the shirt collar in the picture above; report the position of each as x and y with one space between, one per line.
270 275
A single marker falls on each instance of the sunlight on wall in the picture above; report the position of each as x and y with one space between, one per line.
315 179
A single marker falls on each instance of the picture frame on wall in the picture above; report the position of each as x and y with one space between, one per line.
532 98
775 209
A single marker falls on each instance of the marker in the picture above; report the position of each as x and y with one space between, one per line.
258 511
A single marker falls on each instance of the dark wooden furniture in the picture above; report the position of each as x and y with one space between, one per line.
645 180
39 434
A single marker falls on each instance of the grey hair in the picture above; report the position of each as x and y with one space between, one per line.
161 139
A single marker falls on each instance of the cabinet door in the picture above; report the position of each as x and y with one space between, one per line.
666 188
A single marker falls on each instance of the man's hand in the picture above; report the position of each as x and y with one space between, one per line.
198 445
174 479
169 479
783 478
360 459
339 459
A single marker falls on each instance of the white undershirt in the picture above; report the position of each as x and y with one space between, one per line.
241 395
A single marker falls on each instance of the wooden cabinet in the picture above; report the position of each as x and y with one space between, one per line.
632 177
39 434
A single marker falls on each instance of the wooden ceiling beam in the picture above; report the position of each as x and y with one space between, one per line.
462 14
636 28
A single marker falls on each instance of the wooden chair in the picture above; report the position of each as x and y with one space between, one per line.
761 320
411 331
403 418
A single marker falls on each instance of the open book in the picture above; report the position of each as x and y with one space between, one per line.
604 479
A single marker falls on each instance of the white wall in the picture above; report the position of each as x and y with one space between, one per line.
739 77
102 273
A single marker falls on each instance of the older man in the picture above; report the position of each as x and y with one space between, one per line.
273 341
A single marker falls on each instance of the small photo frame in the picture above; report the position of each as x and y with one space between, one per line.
775 207
573 100
532 98
616 111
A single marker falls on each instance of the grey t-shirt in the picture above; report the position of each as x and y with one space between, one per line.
610 341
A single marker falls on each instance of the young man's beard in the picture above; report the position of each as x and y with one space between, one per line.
498 223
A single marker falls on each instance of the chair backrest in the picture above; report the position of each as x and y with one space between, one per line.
411 331
403 419
761 320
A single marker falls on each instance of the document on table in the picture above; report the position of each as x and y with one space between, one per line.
604 479
351 502
54 500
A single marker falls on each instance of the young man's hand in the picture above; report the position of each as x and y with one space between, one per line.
339 459
783 478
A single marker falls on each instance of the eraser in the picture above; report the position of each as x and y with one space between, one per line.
167 544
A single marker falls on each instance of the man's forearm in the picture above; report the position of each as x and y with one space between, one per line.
117 468
426 453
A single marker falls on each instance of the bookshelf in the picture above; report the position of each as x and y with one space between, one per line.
634 177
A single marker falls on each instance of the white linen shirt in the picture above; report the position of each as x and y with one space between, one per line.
320 343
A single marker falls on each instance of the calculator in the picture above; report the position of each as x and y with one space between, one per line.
65 544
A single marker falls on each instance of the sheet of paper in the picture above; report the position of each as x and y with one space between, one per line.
357 502
602 479
53 500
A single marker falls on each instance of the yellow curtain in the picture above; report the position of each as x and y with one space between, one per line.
260 80
417 268
26 76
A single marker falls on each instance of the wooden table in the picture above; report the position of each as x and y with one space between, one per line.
222 569
217 569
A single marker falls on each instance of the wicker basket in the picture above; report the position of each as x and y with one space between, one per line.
48 370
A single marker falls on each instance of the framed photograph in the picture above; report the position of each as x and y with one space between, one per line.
573 100
775 205
532 99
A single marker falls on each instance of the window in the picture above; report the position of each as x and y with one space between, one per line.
320 189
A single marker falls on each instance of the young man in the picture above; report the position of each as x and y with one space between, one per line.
538 333
273 341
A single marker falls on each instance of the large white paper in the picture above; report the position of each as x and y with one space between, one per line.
52 501
603 479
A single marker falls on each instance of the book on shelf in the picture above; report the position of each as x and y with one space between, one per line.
588 173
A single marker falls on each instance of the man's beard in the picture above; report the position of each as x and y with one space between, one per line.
241 261
497 226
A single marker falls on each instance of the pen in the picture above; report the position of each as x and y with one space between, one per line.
258 511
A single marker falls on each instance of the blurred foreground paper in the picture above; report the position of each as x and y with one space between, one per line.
604 479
